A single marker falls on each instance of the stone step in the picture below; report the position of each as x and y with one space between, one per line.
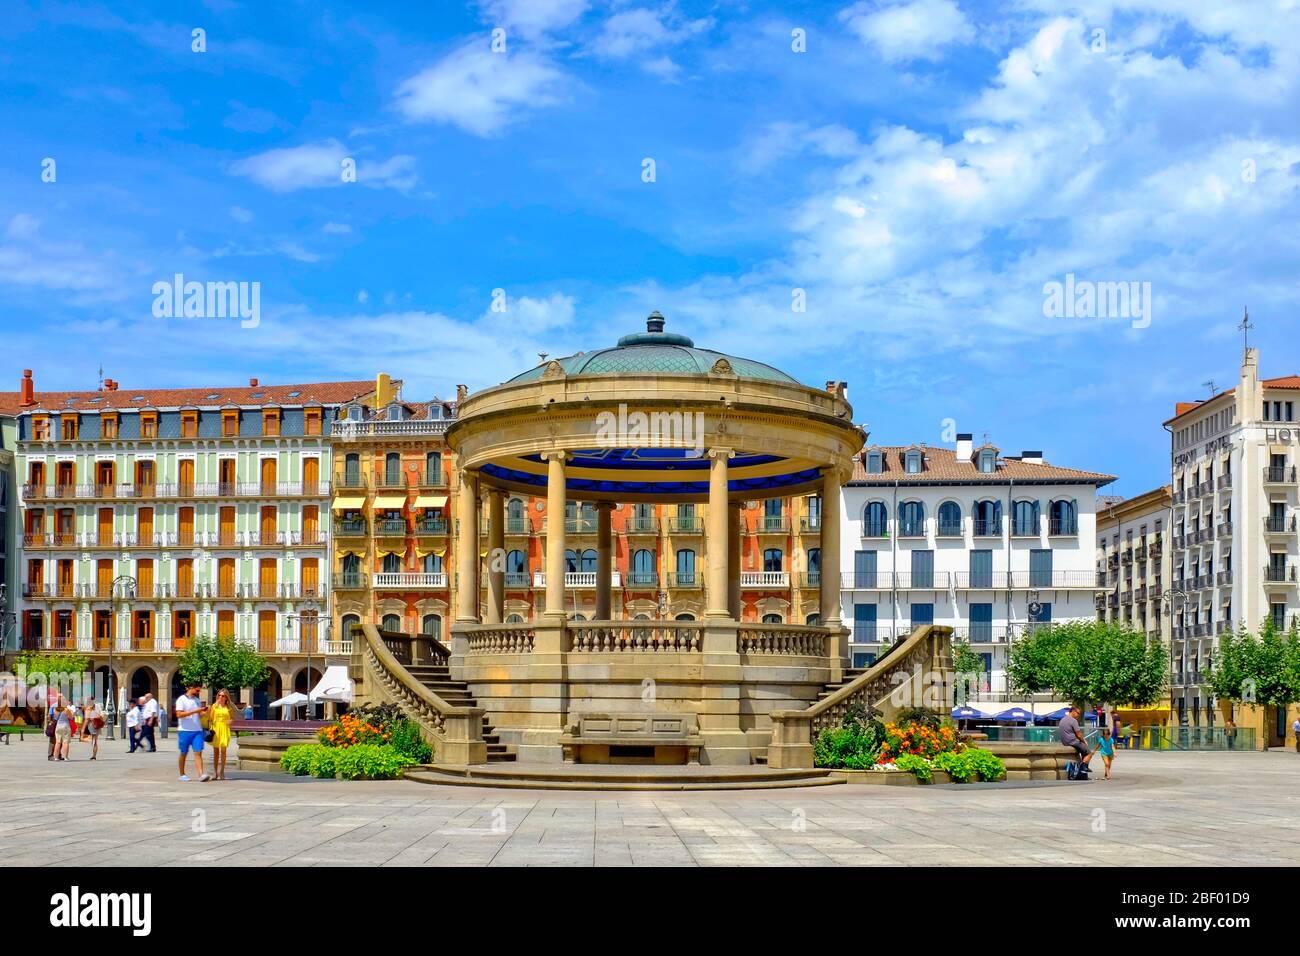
618 778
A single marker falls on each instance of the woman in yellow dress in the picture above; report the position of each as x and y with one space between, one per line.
220 716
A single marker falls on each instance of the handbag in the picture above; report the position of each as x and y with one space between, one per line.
208 735
49 729
99 723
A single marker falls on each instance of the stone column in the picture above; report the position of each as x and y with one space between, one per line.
716 530
733 560
556 539
830 547
604 560
467 550
496 573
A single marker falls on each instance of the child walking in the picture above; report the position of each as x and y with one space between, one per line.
1106 748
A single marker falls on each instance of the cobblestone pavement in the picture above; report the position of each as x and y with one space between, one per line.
1161 809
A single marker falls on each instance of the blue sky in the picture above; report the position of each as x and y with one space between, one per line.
921 170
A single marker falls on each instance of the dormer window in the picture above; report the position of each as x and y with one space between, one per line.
311 421
108 425
435 411
354 413
230 424
189 424
912 462
395 413
271 421
69 427
40 428
148 424
875 463
987 462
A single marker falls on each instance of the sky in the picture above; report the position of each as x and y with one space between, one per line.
881 193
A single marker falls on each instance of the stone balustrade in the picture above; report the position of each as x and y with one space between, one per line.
789 639
635 636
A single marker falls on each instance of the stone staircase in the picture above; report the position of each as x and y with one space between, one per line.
437 678
850 674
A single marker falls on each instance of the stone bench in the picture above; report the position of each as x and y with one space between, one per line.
1031 761
632 738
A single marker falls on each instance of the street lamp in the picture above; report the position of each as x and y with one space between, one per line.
128 584
310 611
1174 595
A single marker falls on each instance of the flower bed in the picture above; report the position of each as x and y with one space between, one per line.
359 762
918 747
377 726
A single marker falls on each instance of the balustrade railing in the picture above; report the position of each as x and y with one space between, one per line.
788 639
635 637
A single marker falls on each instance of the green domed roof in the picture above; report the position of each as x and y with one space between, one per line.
655 351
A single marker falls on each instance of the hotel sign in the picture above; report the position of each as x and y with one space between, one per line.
1189 456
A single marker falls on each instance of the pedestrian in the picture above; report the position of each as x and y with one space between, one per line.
1069 733
1295 729
133 718
148 723
219 718
51 723
94 723
64 722
1106 747
189 724
248 711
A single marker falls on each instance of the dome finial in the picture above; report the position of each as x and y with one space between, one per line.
654 322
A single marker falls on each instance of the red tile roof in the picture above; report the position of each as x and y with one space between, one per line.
1282 381
941 464
312 393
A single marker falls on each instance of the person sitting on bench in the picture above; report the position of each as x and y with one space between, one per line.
1069 733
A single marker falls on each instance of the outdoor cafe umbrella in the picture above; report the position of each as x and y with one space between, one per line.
967 713
296 699
1014 713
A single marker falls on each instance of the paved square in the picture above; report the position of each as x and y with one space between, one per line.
1162 809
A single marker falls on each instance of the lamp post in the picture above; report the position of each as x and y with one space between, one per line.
1174 595
128 584
310 611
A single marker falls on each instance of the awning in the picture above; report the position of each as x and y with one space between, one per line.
430 501
386 553
1014 713
386 502
440 552
967 713
348 504
334 685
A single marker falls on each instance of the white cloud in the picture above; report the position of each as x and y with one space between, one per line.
363 297
240 214
908 30
336 229
643 33
321 164
531 18
478 90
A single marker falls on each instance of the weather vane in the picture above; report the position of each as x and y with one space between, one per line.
1245 327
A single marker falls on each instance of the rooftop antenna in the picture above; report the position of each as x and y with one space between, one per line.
1245 327
986 437
101 376
1211 386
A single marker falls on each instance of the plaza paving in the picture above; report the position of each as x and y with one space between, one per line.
1162 809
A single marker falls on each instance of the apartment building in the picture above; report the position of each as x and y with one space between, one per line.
987 543
153 516
8 523
1233 526
394 540
1133 563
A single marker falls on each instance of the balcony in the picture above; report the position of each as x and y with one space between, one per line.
810 524
582 525
810 580
875 530
350 482
641 524
431 478
1223 578
517 579
349 581
642 579
1279 474
1222 627
1225 481
1223 529
1205 488
408 580
1024 529
1279 525
987 529
578 579
866 580
519 526
1056 580
351 429
431 526
982 634
1062 527
1126 557
978 581
921 580
772 524
350 528
390 528
1155 550
685 526
389 481
1179 496
765 579
911 529
949 529
685 580
1279 574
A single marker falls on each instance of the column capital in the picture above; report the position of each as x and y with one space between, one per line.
555 454
719 452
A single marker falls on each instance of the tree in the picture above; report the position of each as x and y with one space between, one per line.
970 669
1089 662
1261 670
217 662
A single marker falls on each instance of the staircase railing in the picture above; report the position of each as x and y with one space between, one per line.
455 732
914 673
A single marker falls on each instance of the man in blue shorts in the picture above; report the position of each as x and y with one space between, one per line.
189 725
1070 733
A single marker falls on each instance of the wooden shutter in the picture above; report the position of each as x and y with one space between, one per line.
227 533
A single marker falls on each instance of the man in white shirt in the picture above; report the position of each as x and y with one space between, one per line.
149 723
189 728
133 716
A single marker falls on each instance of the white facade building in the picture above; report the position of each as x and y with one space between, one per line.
987 544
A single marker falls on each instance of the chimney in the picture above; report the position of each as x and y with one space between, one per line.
462 392
654 322
252 383
838 389
27 390
110 385
965 446
1032 457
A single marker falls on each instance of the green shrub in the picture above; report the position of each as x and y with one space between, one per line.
370 762
406 739
919 715
322 763
297 759
915 765
957 765
988 766
853 746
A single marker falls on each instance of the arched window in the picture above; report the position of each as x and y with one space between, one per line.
393 468
390 622
950 519
875 521
392 563
349 621
911 519
684 617
516 569
515 509
685 568
773 520
431 563
431 626
643 568
988 518
514 619
813 619
772 559
771 618
814 567
1063 518
433 467
587 561
351 564
1024 519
